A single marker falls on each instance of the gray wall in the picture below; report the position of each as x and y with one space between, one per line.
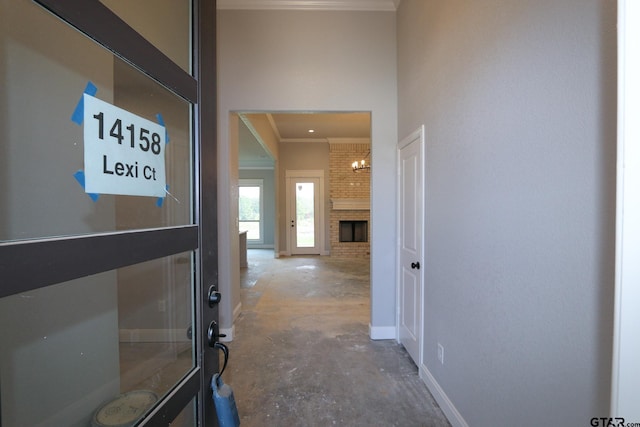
297 156
518 101
320 61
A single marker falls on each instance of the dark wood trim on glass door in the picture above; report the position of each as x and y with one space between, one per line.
33 264
206 194
175 402
106 28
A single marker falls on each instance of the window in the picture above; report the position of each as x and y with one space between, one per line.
250 209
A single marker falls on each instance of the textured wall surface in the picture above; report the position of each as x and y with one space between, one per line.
518 102
314 61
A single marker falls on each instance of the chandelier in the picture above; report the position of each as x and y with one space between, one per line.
359 166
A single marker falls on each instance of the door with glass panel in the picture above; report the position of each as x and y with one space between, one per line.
102 230
305 208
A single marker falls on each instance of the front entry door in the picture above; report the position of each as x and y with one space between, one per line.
105 242
304 205
410 263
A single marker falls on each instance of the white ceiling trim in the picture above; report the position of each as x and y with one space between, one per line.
304 140
362 5
274 128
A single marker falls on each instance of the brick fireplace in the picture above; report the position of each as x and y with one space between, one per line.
350 199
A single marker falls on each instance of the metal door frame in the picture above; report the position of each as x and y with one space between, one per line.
33 264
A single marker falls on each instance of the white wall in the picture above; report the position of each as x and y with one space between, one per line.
313 61
518 101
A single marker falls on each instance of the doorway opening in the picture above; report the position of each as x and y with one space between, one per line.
302 214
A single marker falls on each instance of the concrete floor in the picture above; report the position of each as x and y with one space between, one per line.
302 356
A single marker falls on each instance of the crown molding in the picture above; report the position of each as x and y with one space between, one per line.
304 140
274 128
357 5
337 141
251 167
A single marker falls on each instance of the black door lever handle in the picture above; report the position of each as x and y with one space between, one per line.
213 333
415 265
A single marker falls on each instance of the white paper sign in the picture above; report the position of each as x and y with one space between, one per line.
123 153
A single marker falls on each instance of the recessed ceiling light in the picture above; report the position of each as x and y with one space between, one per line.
311 131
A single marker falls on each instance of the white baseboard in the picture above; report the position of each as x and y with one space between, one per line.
153 335
447 406
237 311
288 253
229 332
382 332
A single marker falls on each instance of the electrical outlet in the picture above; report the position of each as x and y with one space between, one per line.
441 353
162 305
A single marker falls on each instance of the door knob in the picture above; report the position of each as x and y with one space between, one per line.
214 296
415 265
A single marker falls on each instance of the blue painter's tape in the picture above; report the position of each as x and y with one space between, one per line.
161 123
78 113
160 200
79 176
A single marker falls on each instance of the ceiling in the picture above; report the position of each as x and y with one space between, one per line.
368 5
294 128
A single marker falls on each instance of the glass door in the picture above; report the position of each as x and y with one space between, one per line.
103 240
305 207
304 215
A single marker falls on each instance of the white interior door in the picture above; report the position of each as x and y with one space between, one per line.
410 242
304 207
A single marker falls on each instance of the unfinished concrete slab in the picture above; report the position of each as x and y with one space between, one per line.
302 354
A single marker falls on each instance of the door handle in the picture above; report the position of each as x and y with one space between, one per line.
213 333
415 265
